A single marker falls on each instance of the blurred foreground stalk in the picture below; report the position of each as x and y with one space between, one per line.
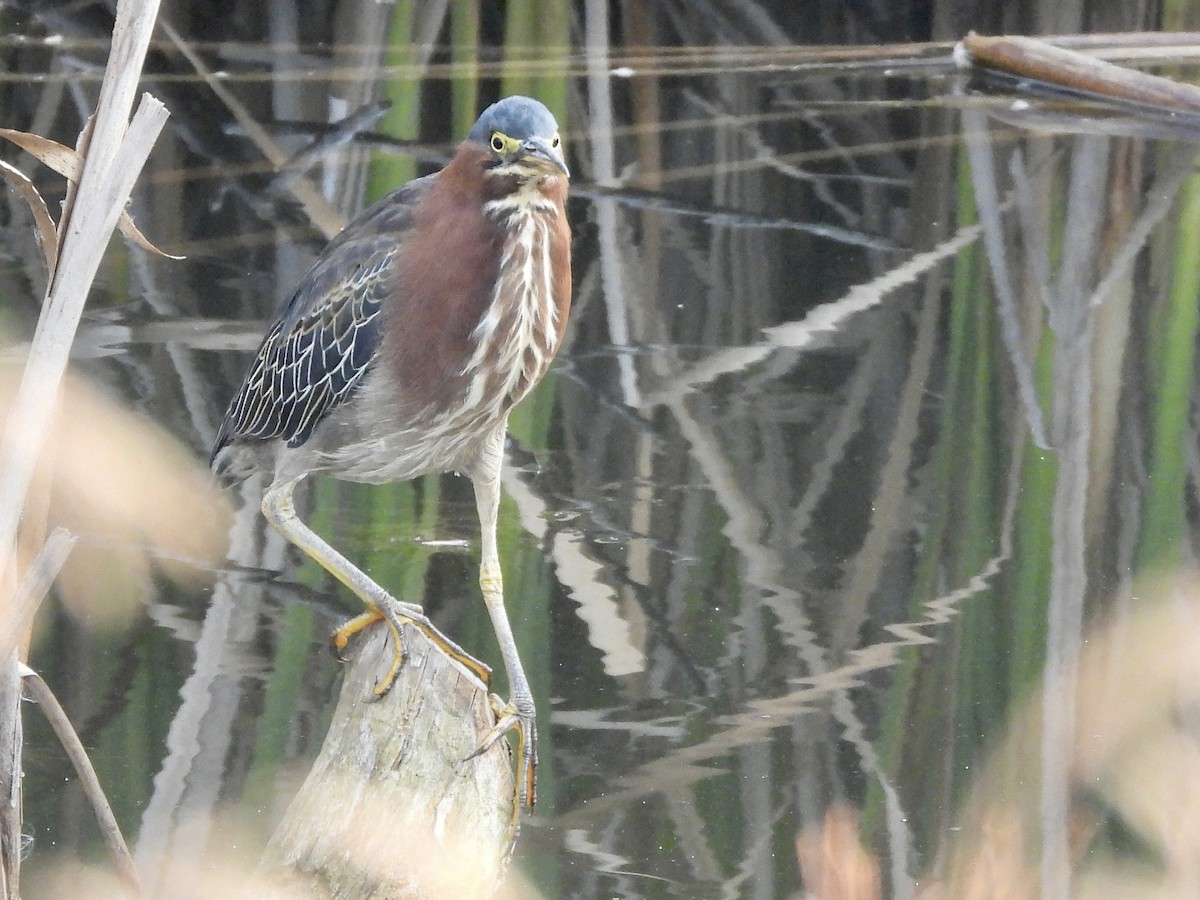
115 150
1131 774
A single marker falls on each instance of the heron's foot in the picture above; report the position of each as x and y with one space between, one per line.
340 639
518 717
397 614
395 618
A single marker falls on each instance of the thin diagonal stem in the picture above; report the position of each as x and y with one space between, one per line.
114 841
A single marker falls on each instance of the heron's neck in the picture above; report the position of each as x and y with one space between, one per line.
518 334
529 197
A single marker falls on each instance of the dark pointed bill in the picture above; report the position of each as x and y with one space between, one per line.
537 153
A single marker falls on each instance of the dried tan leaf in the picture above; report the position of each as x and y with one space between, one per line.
59 157
46 232
1133 759
833 862
996 868
69 163
125 223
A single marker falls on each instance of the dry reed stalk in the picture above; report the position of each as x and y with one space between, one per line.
116 149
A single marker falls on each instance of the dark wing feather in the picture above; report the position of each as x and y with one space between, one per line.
316 353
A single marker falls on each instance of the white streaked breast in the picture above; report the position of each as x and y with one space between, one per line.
518 335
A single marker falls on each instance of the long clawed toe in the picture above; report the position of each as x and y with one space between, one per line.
397 614
389 679
510 718
340 639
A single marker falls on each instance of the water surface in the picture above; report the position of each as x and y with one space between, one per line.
833 526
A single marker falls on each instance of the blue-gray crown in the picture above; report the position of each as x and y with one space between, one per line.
516 116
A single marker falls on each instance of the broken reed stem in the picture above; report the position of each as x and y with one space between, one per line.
10 776
1031 58
15 622
114 841
34 587
117 150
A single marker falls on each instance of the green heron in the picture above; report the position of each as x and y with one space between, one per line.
401 353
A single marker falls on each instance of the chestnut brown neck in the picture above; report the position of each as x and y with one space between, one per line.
447 276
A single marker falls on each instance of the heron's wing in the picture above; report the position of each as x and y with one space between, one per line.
316 353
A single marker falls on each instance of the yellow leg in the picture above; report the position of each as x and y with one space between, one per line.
280 510
518 713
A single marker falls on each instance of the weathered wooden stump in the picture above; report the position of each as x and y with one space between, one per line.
392 807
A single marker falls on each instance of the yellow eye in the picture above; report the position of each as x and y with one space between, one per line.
498 142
